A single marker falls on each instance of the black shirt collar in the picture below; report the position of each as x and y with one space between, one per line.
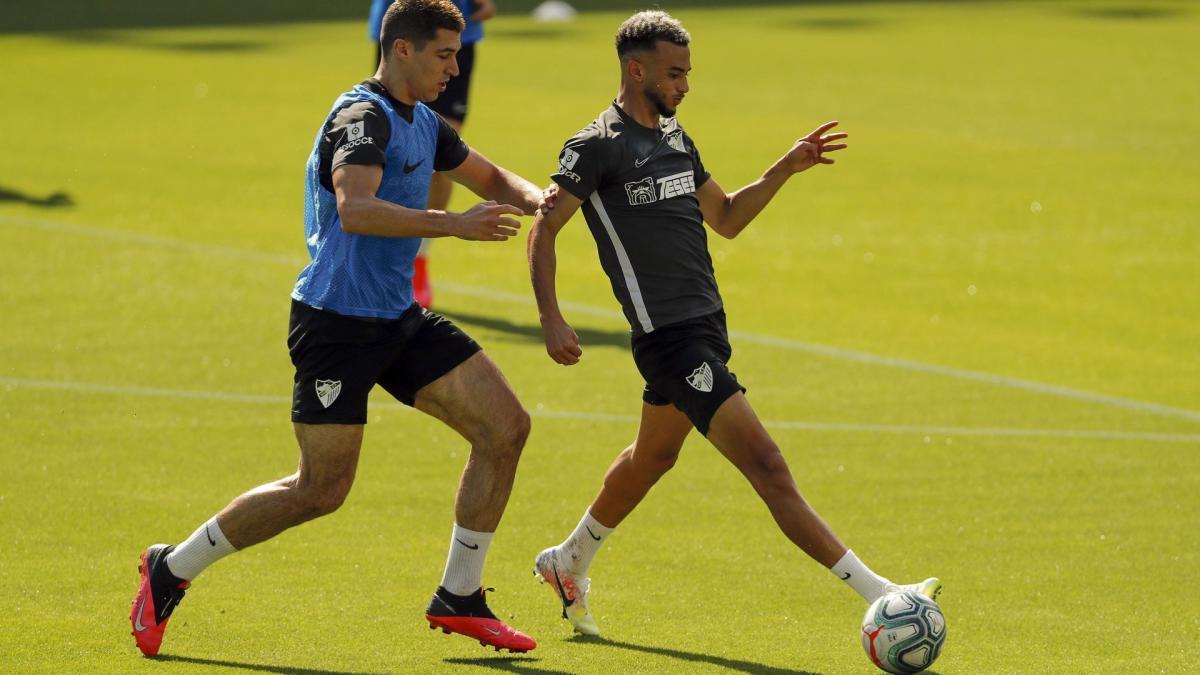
658 131
405 110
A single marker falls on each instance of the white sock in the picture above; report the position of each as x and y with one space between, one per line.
206 546
860 577
584 542
464 565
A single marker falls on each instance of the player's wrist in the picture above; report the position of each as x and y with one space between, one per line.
445 223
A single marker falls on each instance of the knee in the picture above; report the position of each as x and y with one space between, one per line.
769 469
656 462
506 439
325 499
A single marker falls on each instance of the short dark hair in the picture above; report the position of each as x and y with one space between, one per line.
418 22
642 30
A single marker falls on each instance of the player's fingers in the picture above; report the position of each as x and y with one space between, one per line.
834 137
825 160
831 148
509 222
823 128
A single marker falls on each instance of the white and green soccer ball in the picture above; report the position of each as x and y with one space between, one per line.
903 632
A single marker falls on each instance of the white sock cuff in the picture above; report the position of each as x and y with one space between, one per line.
597 528
464 564
860 577
206 546
471 536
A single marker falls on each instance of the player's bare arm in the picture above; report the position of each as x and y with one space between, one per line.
729 214
362 212
479 175
562 343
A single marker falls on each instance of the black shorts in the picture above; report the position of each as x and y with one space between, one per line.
684 364
339 359
452 103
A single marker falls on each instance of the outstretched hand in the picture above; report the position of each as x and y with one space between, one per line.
810 150
487 221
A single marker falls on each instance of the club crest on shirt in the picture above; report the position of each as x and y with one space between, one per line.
701 378
328 390
675 141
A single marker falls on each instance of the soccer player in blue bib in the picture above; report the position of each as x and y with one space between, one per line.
451 105
354 325
646 196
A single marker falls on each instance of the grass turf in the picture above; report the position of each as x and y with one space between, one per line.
1017 200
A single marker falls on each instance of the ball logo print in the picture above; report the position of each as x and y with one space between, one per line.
567 159
355 131
701 378
328 390
566 162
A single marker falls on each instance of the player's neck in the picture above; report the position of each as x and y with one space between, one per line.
638 107
396 85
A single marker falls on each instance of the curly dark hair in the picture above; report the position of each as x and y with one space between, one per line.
418 22
642 30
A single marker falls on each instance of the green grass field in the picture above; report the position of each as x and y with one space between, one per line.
975 337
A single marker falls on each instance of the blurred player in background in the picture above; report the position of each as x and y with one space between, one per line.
646 196
354 324
451 105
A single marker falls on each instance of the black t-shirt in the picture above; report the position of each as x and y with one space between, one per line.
359 134
638 189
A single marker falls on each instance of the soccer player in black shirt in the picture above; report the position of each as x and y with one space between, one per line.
646 196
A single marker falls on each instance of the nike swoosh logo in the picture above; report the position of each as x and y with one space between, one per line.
562 594
409 168
493 632
591 533
470 546
637 163
846 577
137 616
211 541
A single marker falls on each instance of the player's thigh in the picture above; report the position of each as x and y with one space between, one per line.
661 432
476 400
738 433
328 454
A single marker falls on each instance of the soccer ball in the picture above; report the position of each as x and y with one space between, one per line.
903 632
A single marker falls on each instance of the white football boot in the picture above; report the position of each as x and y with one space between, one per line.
569 588
930 588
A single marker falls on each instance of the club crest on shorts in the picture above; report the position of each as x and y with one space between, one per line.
701 378
328 390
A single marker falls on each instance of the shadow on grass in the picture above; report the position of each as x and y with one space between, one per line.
52 200
258 667
834 23
1128 13
508 664
592 337
734 665
132 39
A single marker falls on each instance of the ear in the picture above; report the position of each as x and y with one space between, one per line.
636 70
402 48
